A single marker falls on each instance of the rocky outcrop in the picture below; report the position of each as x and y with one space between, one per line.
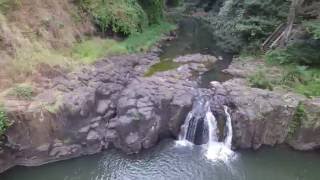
260 117
306 132
264 117
108 105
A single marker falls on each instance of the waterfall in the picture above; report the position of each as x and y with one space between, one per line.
208 133
228 140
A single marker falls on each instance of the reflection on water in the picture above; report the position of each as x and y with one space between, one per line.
194 37
169 161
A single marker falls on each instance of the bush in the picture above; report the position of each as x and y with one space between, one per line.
297 120
6 5
4 122
23 92
259 80
295 74
246 23
306 53
154 10
122 16
313 27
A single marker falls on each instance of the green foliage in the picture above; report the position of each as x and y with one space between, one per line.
295 74
247 22
174 3
89 51
259 80
154 9
313 27
6 5
4 121
303 53
164 65
141 42
301 79
123 16
23 92
296 122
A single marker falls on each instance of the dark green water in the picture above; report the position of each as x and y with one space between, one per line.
194 37
169 161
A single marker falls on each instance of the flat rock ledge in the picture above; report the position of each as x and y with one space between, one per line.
110 104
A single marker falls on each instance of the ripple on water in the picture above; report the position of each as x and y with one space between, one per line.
168 161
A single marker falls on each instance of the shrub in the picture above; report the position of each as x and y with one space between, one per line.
297 120
4 121
259 80
295 74
6 5
23 92
306 53
122 16
313 27
173 3
246 22
154 10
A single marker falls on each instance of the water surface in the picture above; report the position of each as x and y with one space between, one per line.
170 161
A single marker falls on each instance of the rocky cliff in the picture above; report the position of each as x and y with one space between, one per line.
112 104
109 105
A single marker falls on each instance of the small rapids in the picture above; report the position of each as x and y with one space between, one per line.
201 128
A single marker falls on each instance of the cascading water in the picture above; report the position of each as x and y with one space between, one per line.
201 127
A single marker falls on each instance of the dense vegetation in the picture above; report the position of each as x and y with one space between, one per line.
239 23
4 122
124 16
243 25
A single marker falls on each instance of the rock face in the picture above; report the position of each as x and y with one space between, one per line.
307 131
259 117
110 104
263 117
113 104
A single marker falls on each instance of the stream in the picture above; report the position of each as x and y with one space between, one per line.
169 159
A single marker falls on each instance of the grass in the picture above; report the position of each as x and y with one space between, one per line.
164 65
4 121
27 58
301 79
91 50
22 91
259 80
6 5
